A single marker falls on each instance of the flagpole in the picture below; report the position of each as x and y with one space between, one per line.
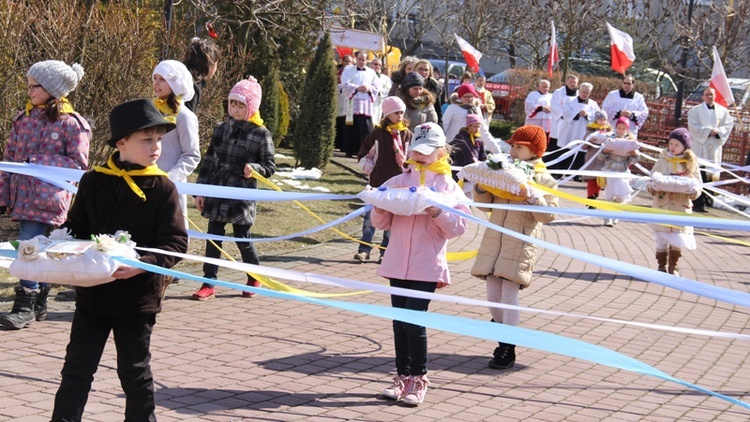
683 65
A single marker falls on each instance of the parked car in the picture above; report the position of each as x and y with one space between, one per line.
455 70
740 91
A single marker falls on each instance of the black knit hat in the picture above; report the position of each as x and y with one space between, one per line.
133 116
411 80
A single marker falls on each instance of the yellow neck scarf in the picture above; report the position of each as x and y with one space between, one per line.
440 166
255 118
113 170
64 106
676 160
400 126
169 114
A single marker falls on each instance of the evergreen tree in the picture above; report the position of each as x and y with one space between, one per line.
283 116
314 128
269 107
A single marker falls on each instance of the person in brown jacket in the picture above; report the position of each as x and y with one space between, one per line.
384 152
505 262
130 194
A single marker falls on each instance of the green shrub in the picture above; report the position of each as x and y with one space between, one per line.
501 129
314 128
284 116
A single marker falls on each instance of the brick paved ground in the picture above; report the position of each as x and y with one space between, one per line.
265 359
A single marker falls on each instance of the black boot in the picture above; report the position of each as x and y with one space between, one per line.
504 356
40 305
22 314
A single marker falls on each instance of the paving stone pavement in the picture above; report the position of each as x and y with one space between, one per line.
266 359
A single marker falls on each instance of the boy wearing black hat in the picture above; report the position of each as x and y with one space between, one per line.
130 193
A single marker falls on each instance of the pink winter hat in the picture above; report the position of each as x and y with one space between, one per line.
624 120
473 118
247 92
392 105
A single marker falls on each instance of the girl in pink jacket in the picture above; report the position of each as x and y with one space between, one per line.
416 255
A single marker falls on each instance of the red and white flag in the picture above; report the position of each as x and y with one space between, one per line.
471 54
554 57
719 82
621 48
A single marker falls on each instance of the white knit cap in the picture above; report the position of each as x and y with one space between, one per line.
178 78
56 77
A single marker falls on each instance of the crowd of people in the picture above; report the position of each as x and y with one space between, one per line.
404 129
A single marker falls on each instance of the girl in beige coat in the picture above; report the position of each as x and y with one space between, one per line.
507 263
675 160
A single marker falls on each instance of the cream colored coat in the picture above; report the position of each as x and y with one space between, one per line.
506 256
673 201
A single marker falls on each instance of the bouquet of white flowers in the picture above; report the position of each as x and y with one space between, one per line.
60 259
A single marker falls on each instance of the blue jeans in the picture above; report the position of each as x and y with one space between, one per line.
29 230
368 232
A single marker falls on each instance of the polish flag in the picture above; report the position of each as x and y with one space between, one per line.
471 54
621 48
553 58
719 82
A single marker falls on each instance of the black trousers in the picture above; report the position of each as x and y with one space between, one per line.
703 200
247 250
410 340
356 133
88 335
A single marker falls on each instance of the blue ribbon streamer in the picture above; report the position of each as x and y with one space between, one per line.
525 337
667 280
356 213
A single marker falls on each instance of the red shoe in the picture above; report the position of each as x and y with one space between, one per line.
206 292
254 283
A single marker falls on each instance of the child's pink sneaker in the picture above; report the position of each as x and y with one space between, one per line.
416 391
397 390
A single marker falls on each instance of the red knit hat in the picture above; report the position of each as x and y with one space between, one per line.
464 89
533 137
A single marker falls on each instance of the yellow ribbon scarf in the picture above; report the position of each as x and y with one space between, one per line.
440 166
64 106
169 114
400 126
113 170
255 118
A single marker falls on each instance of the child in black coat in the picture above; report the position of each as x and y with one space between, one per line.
144 202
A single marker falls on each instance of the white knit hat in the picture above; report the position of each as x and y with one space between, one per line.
178 78
56 77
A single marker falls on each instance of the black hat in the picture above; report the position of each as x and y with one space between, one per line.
411 80
133 116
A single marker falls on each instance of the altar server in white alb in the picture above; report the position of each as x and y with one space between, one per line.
626 102
577 114
710 125
384 86
560 97
537 106
359 84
